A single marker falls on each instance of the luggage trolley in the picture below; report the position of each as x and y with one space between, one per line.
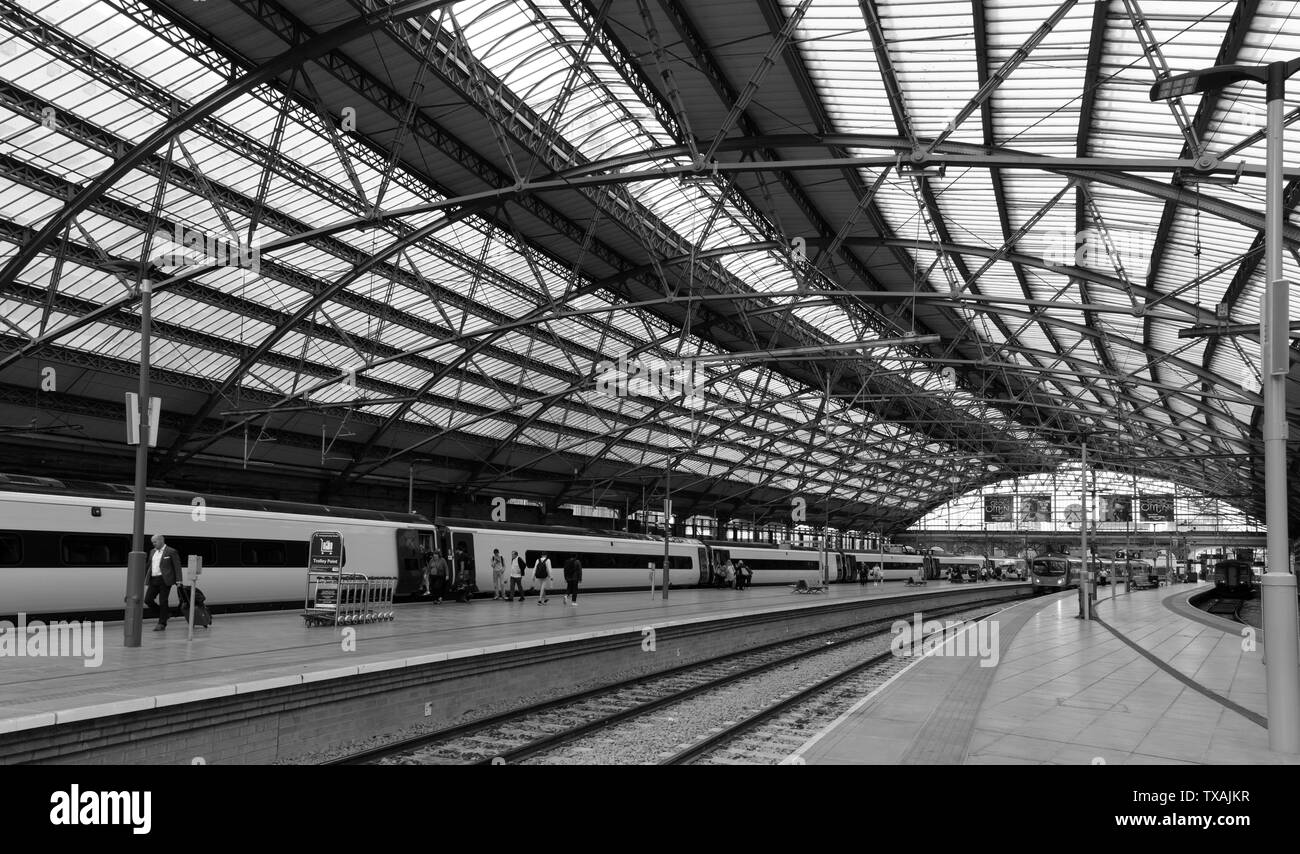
348 599
354 591
381 597
321 604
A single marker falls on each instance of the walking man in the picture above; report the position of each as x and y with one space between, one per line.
517 567
572 576
164 571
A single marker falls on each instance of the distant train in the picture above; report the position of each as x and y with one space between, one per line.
1051 573
1235 579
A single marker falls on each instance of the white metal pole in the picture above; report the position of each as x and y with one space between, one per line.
1279 585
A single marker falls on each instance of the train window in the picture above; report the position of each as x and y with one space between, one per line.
205 549
93 550
295 553
11 550
275 553
1049 567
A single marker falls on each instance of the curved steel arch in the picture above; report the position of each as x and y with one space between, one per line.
1112 171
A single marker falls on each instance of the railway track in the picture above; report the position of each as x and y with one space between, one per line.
536 732
1230 608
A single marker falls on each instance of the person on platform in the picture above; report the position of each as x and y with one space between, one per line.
164 571
463 566
542 574
426 564
437 576
498 575
572 578
729 573
518 566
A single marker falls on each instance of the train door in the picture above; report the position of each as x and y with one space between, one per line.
707 570
720 558
462 559
412 543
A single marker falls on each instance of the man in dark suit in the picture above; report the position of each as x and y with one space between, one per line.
164 571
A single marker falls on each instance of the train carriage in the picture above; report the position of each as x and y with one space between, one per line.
64 544
894 567
611 560
773 564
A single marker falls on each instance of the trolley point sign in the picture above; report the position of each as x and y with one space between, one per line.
326 552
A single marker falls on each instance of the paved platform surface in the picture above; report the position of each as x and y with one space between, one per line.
1144 685
242 653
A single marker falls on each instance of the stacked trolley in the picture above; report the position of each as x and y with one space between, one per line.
338 598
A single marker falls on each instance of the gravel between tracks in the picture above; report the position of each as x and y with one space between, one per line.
649 738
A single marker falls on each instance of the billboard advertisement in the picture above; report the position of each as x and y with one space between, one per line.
997 508
1157 508
1035 508
1117 508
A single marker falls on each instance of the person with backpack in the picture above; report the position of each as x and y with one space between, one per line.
517 568
742 575
572 576
542 574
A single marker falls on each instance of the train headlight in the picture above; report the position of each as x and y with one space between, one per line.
1060 581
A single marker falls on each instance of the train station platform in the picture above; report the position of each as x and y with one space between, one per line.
455 658
1150 682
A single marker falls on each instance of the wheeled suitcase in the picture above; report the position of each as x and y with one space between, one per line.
202 616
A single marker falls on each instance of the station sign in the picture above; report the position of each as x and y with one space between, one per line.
326 552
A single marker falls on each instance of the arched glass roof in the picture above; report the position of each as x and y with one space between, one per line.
859 249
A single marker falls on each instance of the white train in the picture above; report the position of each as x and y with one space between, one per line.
64 544
64 547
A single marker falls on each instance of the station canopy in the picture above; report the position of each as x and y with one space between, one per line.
863 252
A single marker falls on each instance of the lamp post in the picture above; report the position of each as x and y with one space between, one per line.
668 519
1085 610
137 560
1279 585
